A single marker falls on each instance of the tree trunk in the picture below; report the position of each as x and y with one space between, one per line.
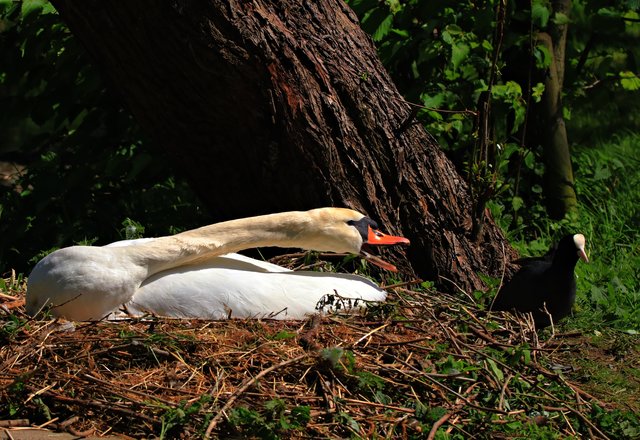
558 177
273 106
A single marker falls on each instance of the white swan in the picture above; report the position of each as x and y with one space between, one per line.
194 274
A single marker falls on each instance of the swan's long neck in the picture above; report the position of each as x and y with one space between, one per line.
289 229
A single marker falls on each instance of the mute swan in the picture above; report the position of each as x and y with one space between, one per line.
195 274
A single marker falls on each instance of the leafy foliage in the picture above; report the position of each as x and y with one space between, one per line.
175 417
88 167
446 55
271 422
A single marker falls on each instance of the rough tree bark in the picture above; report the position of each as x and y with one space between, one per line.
273 106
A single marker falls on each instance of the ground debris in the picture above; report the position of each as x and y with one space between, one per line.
422 362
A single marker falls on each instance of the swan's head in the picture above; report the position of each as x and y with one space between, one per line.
346 230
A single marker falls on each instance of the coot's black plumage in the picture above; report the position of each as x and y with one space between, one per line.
545 282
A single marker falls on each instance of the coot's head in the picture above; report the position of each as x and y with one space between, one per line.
572 248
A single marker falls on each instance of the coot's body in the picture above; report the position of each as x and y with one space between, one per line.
545 284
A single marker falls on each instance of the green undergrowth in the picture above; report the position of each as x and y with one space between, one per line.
607 183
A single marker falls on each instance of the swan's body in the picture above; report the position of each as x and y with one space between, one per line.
195 275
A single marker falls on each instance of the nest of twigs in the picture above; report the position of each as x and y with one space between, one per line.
424 362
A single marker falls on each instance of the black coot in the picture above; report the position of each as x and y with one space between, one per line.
546 281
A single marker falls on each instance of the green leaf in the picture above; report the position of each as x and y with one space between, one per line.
344 418
629 81
537 91
540 13
529 161
383 29
275 405
458 53
377 22
432 101
446 37
602 173
519 113
495 370
301 415
401 32
454 29
283 334
559 18
332 354
609 12
30 7
517 203
5 4
542 56
394 6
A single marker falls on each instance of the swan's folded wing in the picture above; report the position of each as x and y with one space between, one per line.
241 287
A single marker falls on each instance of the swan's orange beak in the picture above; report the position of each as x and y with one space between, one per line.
377 238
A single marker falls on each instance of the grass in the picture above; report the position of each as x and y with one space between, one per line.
609 190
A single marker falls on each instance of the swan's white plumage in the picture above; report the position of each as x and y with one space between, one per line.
241 287
191 275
